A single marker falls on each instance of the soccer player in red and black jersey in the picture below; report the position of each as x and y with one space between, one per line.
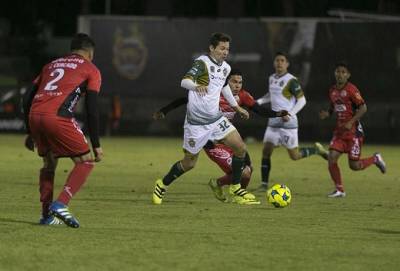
348 137
220 153
49 118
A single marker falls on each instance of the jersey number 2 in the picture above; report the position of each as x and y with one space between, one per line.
58 73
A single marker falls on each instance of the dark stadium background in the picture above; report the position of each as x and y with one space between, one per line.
161 38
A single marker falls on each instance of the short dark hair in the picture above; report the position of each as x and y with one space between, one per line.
235 71
343 64
216 38
82 41
281 53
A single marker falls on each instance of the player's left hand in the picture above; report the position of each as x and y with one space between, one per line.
348 125
98 154
29 144
158 115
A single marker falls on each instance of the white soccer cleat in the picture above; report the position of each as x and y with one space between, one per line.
337 194
380 163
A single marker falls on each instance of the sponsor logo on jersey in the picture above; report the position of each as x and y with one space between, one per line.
220 153
217 77
340 107
191 142
129 52
343 93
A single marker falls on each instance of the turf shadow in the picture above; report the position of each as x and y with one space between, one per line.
17 221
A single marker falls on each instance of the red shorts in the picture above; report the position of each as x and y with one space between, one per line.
351 146
61 136
222 156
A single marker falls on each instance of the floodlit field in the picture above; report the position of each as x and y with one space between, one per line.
122 230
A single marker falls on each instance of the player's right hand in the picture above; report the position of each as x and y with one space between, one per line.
202 90
323 114
29 144
242 112
158 115
286 118
98 154
282 113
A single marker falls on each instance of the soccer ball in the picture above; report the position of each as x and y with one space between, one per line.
279 195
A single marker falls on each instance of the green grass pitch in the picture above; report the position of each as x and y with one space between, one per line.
191 230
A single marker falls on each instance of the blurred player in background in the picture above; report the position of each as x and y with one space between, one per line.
221 154
49 118
205 82
285 93
348 136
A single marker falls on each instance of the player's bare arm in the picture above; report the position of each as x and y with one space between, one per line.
361 110
27 102
160 114
93 124
323 114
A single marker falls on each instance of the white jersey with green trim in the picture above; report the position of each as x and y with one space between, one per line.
203 110
284 91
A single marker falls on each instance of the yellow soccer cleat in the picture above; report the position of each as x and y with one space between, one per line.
321 151
218 192
159 192
241 196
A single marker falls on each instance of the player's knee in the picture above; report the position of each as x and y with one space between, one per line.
188 164
295 156
240 150
354 165
332 158
49 165
267 152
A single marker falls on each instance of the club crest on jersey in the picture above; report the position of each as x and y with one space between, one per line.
129 52
192 143
225 71
343 93
212 68
281 83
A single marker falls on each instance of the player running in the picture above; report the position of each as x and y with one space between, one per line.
285 93
49 118
219 153
348 136
205 82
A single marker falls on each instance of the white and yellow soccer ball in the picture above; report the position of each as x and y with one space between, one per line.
279 195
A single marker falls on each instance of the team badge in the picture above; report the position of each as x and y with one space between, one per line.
129 52
192 143
212 68
343 93
225 71
281 83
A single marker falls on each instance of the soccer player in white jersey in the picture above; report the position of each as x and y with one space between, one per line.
205 81
285 93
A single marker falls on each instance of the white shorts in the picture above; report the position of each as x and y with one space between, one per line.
281 136
196 136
